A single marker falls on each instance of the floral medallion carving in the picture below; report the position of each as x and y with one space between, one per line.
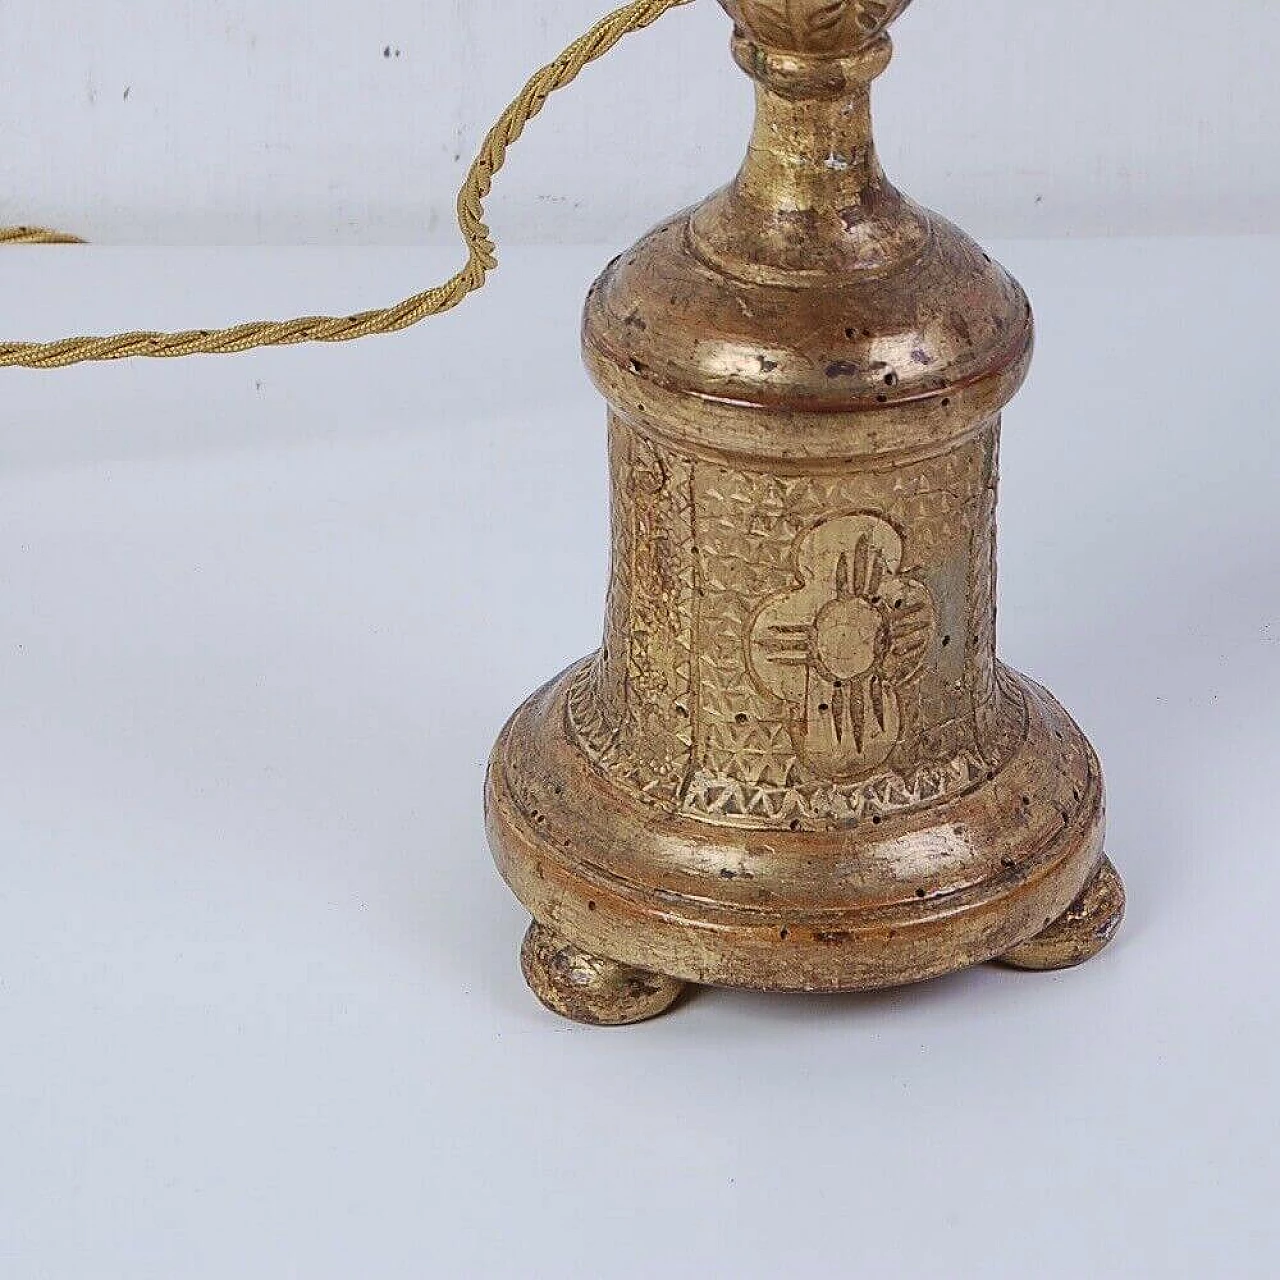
841 646
797 652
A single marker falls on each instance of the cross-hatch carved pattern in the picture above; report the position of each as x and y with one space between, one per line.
797 651
632 707
982 608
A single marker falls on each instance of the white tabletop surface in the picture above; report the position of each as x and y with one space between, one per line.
261 620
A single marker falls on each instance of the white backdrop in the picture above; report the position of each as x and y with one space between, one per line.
260 621
282 121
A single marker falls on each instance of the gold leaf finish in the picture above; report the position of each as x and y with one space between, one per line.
824 27
841 647
590 989
795 762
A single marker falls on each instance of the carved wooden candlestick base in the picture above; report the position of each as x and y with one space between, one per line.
795 763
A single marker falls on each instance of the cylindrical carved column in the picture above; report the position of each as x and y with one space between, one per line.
798 650
795 761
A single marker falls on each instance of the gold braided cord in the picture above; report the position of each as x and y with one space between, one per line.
36 235
481 251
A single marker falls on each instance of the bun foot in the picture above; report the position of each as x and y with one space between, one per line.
1080 932
588 988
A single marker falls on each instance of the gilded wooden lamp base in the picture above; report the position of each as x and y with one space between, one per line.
1013 871
795 763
